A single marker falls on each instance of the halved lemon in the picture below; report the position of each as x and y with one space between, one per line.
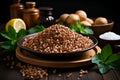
16 23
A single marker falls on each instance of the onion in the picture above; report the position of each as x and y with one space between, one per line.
72 19
86 23
82 15
100 20
90 21
63 17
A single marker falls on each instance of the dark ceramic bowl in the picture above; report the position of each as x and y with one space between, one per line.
55 56
100 29
115 44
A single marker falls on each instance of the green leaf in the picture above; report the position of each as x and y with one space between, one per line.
106 60
104 68
7 45
21 33
61 23
113 58
115 64
88 30
74 28
35 29
97 59
5 35
81 28
106 52
12 33
12 37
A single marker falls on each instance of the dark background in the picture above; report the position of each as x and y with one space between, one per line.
93 8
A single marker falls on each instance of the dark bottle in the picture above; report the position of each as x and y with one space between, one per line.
31 14
16 9
46 17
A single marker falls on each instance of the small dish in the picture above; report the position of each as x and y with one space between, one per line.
110 38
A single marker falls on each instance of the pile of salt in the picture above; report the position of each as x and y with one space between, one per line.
109 36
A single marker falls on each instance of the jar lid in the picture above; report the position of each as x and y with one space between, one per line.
30 4
16 1
45 8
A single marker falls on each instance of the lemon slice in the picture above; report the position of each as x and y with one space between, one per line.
16 23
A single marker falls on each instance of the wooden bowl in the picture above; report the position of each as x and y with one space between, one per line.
99 29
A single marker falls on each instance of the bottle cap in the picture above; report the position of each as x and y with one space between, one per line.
30 4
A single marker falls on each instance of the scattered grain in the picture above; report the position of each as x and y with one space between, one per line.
69 75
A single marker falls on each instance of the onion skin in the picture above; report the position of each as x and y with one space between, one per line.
72 19
86 23
63 17
100 21
82 15
90 21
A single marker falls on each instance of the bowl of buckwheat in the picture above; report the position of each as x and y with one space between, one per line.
57 42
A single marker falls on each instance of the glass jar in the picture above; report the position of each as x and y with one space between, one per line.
16 9
31 14
46 17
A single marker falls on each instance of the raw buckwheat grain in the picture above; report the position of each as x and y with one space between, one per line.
57 39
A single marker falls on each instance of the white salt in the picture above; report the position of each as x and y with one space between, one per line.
110 36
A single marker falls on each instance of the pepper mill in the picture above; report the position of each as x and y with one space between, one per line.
16 9
31 14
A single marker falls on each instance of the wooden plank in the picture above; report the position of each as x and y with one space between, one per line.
61 74
92 76
112 75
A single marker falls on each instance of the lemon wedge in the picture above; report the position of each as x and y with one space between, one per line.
16 23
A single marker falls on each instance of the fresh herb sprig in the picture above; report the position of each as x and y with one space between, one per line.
80 28
107 60
35 29
11 38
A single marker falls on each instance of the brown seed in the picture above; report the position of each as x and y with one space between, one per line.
57 39
69 75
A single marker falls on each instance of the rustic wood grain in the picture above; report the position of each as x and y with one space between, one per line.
112 75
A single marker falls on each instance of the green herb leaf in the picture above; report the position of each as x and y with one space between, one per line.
74 28
106 52
81 28
7 45
104 68
12 33
5 35
12 38
116 64
113 58
88 30
61 23
35 29
21 33
106 60
97 59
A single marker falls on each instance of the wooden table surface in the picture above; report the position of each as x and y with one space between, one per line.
8 73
